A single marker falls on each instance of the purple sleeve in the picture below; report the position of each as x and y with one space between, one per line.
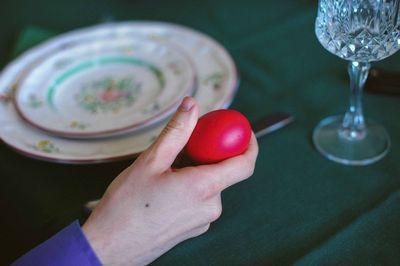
67 247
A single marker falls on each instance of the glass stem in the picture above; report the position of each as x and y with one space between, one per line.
353 125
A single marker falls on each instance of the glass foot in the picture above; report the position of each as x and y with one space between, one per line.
373 146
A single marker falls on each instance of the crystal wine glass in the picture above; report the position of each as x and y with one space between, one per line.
359 31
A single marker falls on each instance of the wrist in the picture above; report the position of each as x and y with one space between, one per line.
117 249
94 241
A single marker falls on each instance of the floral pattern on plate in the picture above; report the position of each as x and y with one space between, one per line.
108 94
45 146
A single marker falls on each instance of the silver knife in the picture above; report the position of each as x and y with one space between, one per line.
267 124
271 123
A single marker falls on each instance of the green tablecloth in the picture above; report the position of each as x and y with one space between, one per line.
298 208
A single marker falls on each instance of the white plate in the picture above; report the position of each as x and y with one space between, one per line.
105 87
217 84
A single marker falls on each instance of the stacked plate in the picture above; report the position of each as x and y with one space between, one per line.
105 93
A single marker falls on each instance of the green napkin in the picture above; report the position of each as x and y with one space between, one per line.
30 37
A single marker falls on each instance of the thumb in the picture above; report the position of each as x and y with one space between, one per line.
175 135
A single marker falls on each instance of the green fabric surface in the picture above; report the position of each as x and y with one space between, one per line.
298 208
377 228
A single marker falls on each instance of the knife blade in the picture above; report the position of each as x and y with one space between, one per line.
271 123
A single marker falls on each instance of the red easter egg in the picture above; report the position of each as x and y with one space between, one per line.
218 135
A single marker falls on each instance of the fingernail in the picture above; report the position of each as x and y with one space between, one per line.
187 104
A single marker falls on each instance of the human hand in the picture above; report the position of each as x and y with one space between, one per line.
150 207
